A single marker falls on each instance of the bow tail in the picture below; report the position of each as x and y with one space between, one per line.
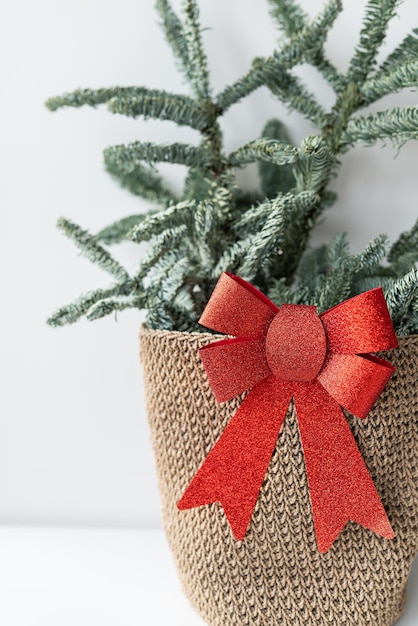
340 485
234 469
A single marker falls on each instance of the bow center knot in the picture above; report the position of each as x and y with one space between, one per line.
296 343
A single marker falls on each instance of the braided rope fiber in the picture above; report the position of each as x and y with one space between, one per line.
276 576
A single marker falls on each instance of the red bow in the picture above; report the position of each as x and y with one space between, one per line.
323 363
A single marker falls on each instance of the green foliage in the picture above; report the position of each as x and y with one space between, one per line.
398 125
89 248
263 235
275 179
301 47
139 179
372 35
383 83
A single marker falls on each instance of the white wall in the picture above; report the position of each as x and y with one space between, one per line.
73 437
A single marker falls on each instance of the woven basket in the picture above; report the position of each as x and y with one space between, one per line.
276 576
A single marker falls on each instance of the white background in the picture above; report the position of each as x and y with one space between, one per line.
74 445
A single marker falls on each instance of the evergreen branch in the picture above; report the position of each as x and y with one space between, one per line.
139 179
280 293
398 124
161 105
291 91
174 32
231 257
203 222
184 302
377 16
314 167
197 61
300 48
381 84
368 260
275 179
401 296
404 264
371 282
107 306
153 225
71 313
174 280
89 248
125 158
407 243
262 149
312 268
280 236
292 19
337 285
406 52
116 232
161 244
93 97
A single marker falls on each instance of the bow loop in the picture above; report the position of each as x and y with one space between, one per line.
237 308
360 325
234 365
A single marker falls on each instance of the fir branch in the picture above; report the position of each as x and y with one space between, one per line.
116 232
401 296
280 236
337 285
203 225
153 225
139 179
314 167
292 19
184 302
141 101
197 62
368 260
125 158
160 245
300 48
174 279
275 179
231 257
398 125
174 32
407 243
72 312
291 91
89 248
404 263
371 282
107 306
280 293
262 149
92 97
161 105
406 52
381 84
376 20
312 268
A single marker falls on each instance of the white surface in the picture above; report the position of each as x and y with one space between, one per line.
68 577
73 438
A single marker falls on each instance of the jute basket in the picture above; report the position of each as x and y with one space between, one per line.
276 576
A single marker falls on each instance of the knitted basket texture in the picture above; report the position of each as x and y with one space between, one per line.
276 576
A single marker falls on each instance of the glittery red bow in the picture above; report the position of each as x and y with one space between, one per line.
323 363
